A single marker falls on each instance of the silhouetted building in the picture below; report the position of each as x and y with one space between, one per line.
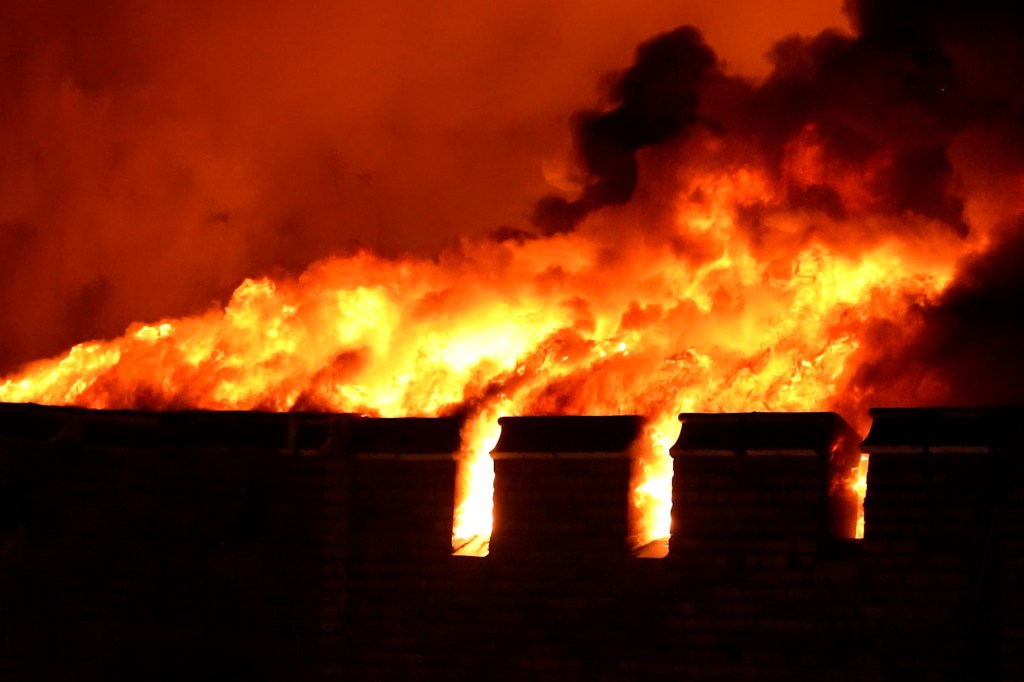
198 545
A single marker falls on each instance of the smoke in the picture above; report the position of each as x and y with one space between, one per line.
948 107
909 129
963 350
655 100
156 153
879 110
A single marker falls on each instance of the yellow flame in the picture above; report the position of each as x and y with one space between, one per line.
652 492
697 316
860 486
474 515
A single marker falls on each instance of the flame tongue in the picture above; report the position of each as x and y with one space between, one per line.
787 243
578 323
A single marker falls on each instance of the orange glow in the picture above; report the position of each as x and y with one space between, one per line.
652 492
801 214
474 518
580 323
860 486
155 155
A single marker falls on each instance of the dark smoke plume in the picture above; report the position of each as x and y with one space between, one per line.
965 349
922 106
655 100
862 97
157 153
970 59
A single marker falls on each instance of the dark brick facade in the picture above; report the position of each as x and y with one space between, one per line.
249 546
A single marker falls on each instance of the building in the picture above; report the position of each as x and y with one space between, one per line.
254 546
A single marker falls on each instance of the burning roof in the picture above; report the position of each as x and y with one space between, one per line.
842 232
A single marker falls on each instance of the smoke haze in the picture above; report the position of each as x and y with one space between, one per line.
157 153
908 130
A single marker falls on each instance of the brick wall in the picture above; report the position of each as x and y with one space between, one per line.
198 545
401 504
138 546
756 535
1007 578
935 510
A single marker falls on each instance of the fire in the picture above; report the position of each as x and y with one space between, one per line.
652 494
860 487
474 518
577 323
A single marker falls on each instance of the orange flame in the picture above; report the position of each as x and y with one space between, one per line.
652 492
474 518
690 317
860 487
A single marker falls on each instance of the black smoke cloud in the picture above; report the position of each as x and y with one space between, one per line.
902 90
966 348
976 333
963 65
922 106
862 101
155 153
655 100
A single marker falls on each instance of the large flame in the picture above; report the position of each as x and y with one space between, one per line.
601 320
844 231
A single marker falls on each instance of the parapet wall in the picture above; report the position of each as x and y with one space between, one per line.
196 545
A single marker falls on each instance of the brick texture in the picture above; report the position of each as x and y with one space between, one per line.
188 546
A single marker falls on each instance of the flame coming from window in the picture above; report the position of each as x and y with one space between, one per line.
627 314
